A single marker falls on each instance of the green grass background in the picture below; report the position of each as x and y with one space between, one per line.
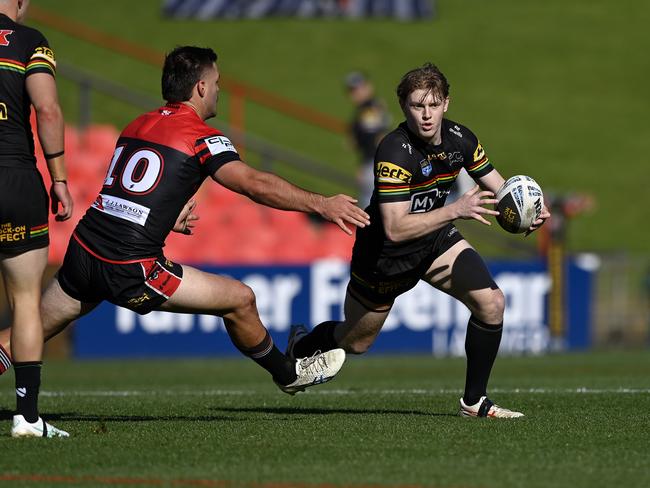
383 421
554 89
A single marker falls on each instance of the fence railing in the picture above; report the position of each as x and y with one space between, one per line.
268 154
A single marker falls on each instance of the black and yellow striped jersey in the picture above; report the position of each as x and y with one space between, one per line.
408 169
23 52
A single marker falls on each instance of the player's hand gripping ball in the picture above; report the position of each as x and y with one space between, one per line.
520 203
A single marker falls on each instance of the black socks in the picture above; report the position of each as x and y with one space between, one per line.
481 346
28 382
267 355
319 339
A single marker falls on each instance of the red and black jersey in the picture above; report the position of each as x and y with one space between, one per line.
407 169
160 161
23 51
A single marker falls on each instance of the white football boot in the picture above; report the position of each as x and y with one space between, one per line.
40 428
315 370
485 408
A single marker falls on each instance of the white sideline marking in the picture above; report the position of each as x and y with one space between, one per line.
221 392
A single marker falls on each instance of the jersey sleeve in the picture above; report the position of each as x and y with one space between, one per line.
213 151
40 57
477 163
393 170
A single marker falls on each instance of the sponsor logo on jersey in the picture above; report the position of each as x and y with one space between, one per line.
456 131
425 167
391 173
4 34
135 302
479 153
122 209
425 201
3 111
408 147
452 231
219 144
11 233
455 157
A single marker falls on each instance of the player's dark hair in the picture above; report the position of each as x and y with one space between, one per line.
428 77
183 68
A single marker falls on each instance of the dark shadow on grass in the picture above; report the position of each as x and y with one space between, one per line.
79 417
286 411
330 411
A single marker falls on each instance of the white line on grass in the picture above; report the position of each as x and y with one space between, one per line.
342 392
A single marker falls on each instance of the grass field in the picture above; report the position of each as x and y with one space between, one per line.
384 422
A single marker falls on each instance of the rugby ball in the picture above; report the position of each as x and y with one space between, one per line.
520 203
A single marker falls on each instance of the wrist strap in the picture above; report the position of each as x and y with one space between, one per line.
53 155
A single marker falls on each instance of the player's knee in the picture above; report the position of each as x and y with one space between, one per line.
491 306
245 298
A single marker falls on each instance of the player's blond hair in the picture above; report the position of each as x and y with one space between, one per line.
428 77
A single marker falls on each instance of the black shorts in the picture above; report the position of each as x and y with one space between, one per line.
382 280
141 286
23 211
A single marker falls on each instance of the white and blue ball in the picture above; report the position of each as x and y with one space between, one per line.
520 203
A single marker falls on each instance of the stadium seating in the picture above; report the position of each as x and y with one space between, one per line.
232 229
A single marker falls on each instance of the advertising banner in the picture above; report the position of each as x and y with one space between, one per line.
255 9
423 320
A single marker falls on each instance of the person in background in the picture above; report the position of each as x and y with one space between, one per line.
27 69
370 123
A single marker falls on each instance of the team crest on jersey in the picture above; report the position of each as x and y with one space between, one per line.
425 166
479 153
4 34
219 144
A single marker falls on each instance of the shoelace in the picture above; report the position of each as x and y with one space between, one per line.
314 364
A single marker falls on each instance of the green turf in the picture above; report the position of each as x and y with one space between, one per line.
384 421
555 89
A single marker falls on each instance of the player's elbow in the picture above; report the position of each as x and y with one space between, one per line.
257 188
48 113
394 234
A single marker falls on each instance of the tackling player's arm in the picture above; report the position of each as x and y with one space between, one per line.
273 191
41 89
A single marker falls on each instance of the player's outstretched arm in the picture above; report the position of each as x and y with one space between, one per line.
273 191
41 89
